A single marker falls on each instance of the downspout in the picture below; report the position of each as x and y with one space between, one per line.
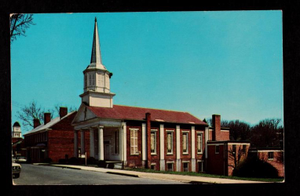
206 134
148 139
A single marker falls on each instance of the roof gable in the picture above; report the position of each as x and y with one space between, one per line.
83 114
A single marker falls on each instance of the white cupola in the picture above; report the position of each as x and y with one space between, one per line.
16 133
97 78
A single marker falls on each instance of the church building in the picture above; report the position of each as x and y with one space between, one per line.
137 137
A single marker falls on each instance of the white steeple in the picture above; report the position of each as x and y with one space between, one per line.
96 60
97 78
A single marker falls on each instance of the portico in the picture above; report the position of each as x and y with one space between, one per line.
106 139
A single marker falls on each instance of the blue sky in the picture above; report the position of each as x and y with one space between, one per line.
224 62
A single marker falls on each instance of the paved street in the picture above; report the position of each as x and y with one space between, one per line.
47 175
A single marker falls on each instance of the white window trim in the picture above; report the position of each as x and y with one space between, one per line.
202 165
171 163
188 165
187 142
135 145
155 141
270 159
200 152
172 142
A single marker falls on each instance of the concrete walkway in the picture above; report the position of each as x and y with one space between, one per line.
159 176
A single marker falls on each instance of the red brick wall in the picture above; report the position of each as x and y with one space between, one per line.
136 160
61 139
230 157
60 143
277 161
215 162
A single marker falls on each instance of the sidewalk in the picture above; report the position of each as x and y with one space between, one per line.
159 176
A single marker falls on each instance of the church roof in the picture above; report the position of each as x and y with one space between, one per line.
137 113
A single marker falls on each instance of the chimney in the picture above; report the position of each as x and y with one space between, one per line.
63 111
36 122
216 123
148 129
47 117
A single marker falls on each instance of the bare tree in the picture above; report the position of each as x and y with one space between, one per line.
239 130
30 112
236 154
18 24
267 133
34 111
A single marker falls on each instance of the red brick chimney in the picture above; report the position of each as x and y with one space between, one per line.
63 111
47 117
148 129
36 122
216 123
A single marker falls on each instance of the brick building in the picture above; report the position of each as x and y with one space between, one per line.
271 155
53 139
140 137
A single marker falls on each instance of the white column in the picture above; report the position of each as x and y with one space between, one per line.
144 144
162 147
100 143
193 149
178 159
92 143
75 144
82 141
124 148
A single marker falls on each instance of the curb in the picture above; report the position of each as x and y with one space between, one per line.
123 174
66 167
200 182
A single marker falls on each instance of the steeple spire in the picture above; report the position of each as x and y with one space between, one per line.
96 60
97 78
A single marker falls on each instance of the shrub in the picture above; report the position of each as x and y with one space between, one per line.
101 164
62 161
74 161
47 160
255 168
91 160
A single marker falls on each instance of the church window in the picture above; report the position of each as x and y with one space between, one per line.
93 79
101 79
90 79
153 141
170 142
134 142
199 143
185 139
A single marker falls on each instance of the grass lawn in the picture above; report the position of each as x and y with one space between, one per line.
208 175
